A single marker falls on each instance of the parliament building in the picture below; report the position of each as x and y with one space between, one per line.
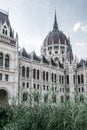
54 76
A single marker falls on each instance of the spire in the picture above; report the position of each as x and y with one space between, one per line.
55 25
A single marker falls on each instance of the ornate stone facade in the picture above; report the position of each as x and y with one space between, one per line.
54 76
8 60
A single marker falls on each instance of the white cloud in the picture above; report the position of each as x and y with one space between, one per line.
76 27
84 28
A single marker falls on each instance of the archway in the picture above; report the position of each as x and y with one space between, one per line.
3 97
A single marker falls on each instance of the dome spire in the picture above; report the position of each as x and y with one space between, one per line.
55 25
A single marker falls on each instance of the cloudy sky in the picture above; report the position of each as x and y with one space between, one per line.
33 20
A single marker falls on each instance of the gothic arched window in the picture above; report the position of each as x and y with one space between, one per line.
1 59
7 61
27 72
4 31
23 71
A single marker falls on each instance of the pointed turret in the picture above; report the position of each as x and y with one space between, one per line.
55 25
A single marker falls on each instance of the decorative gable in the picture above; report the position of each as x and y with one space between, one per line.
5 29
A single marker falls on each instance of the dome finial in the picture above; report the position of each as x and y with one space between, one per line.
55 25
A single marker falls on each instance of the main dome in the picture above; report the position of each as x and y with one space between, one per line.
55 36
56 45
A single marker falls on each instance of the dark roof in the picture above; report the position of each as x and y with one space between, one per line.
53 63
80 64
45 60
25 54
86 63
35 57
55 37
4 17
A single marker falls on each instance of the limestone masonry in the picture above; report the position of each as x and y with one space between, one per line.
54 76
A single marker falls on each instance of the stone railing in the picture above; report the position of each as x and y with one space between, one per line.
7 40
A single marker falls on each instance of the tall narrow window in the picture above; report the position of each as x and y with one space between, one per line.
27 72
74 79
6 77
55 78
23 71
0 76
78 79
1 59
52 77
34 86
43 75
43 87
60 79
23 84
82 78
27 85
82 89
38 74
34 73
67 79
79 89
46 76
3 31
47 87
38 86
7 61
